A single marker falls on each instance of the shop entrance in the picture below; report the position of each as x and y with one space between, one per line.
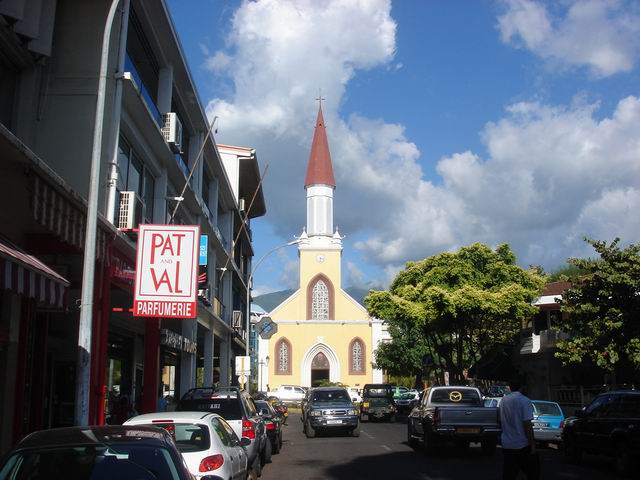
320 369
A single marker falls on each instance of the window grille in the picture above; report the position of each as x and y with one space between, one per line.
320 301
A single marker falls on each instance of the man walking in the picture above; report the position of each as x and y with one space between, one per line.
518 444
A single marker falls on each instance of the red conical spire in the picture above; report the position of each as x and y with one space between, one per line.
319 169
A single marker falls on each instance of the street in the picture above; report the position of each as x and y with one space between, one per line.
381 452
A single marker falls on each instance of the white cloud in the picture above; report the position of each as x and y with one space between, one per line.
549 174
603 35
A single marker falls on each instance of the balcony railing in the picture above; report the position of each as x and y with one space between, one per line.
130 67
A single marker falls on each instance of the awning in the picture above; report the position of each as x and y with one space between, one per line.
28 276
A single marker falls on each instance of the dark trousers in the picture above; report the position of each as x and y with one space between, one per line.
520 460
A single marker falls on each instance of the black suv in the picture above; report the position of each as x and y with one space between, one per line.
240 412
329 408
377 402
610 426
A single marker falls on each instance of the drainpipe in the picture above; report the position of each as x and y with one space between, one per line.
112 181
83 371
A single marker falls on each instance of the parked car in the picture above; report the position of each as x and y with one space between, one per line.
205 440
354 392
96 453
273 423
330 408
498 390
453 415
289 393
377 402
399 391
407 401
548 422
491 401
239 410
609 426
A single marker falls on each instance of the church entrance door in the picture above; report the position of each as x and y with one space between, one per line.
320 369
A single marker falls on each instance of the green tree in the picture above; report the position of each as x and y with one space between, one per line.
602 310
456 306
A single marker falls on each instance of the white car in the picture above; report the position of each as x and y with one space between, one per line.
288 393
354 393
208 444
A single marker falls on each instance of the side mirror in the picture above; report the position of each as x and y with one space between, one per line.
245 442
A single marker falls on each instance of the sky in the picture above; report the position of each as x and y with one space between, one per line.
449 122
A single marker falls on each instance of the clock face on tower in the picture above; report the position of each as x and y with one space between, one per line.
319 258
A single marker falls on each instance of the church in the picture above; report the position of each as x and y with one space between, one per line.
323 333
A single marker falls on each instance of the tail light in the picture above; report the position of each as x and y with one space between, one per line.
270 426
213 462
248 429
561 424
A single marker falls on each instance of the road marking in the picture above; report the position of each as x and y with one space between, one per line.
367 435
386 448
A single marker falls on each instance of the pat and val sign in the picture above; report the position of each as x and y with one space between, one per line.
167 271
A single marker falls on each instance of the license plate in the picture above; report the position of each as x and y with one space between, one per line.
333 422
540 425
468 430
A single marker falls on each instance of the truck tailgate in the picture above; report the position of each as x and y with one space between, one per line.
471 416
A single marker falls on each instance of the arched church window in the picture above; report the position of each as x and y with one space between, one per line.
357 357
320 301
283 357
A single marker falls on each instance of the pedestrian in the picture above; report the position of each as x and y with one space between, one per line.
518 443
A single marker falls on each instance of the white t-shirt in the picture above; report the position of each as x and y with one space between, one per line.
515 408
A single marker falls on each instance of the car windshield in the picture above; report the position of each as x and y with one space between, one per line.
227 408
546 409
407 396
96 462
456 396
189 437
377 392
330 396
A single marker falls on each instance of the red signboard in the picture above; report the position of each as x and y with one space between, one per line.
166 271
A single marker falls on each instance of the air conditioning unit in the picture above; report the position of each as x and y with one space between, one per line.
172 131
237 319
131 211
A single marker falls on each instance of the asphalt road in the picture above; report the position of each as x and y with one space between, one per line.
381 452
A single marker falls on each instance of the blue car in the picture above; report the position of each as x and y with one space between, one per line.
548 422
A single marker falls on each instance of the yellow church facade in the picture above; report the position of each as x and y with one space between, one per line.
323 333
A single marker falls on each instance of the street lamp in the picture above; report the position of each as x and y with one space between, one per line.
249 282
264 362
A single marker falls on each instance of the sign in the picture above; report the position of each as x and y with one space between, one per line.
243 365
171 339
166 271
204 242
242 379
269 330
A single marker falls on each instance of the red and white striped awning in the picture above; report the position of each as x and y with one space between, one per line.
28 276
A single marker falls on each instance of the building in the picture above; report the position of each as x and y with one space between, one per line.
156 142
323 333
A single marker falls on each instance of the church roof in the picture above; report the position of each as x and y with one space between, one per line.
319 169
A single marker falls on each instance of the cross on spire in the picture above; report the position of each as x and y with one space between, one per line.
320 98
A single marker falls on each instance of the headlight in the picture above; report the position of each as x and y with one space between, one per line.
352 412
315 413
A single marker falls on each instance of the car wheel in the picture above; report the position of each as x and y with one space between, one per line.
572 452
623 461
309 431
489 447
356 431
410 438
257 466
251 475
275 447
266 453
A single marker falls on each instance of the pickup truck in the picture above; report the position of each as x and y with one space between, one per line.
454 415
288 393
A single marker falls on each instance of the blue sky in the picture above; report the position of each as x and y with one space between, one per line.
449 122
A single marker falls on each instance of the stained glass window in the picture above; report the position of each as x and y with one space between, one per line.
356 356
320 301
283 357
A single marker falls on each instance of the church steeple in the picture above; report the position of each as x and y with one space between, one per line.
319 169
320 183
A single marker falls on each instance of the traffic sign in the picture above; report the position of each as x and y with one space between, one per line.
269 330
243 365
242 379
166 271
